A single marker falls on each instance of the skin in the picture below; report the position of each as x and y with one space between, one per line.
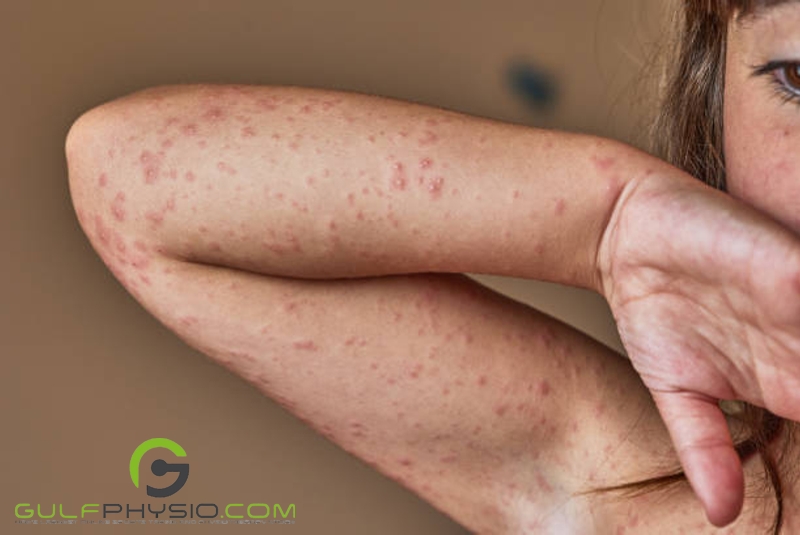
307 240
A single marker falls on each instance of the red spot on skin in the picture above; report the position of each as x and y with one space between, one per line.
117 209
144 279
445 391
121 247
351 198
482 380
306 109
399 180
603 164
188 321
425 163
599 409
476 430
215 246
543 484
214 114
561 205
225 168
140 262
405 461
517 194
248 131
101 230
156 218
310 180
449 459
500 410
435 186
360 215
428 138
416 371
168 143
189 129
268 103
307 345
103 180
151 164
140 245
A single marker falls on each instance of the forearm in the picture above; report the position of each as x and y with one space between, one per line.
319 184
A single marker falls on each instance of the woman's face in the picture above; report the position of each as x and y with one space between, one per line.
762 112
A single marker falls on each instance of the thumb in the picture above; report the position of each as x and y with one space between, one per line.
702 440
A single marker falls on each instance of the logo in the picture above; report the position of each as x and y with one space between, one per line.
257 512
160 467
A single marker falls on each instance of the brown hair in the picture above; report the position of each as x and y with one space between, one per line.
688 133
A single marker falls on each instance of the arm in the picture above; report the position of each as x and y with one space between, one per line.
304 188
491 411
317 184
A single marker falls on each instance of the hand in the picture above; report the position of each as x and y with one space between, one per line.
706 294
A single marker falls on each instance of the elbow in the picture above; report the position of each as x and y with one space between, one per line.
101 175
83 149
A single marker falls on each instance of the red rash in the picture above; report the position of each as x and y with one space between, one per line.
544 388
225 168
214 114
561 205
151 164
307 345
428 139
117 209
435 186
603 164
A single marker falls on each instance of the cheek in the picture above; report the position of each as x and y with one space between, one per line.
761 160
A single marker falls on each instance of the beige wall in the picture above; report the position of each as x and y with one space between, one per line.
87 375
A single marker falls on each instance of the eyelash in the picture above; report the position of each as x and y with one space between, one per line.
777 70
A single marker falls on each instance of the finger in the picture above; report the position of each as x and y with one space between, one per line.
704 446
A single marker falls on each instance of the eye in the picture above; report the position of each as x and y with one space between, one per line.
784 76
788 75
